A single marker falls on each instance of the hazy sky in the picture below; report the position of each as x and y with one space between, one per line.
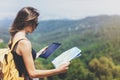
61 9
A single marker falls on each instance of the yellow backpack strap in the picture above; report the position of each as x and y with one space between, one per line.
14 42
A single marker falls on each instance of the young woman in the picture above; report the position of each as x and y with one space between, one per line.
26 22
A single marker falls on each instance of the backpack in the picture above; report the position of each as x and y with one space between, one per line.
8 70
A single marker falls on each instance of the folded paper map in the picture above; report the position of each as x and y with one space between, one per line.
66 56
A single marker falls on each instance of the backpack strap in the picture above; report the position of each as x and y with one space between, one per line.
14 43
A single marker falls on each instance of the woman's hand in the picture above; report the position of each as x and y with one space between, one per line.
63 67
42 51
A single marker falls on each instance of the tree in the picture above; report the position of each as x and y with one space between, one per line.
104 68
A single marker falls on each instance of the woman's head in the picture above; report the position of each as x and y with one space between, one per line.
27 16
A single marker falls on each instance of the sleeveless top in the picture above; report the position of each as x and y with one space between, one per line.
20 63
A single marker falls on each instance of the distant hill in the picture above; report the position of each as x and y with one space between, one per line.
51 29
58 30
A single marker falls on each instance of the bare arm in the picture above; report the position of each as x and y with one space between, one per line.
25 51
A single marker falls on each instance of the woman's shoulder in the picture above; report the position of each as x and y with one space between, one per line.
22 41
25 42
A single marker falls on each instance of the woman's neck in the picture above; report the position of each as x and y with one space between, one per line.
22 32
18 35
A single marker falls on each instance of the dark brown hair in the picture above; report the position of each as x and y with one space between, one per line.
26 16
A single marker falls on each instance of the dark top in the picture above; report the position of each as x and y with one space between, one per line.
19 60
